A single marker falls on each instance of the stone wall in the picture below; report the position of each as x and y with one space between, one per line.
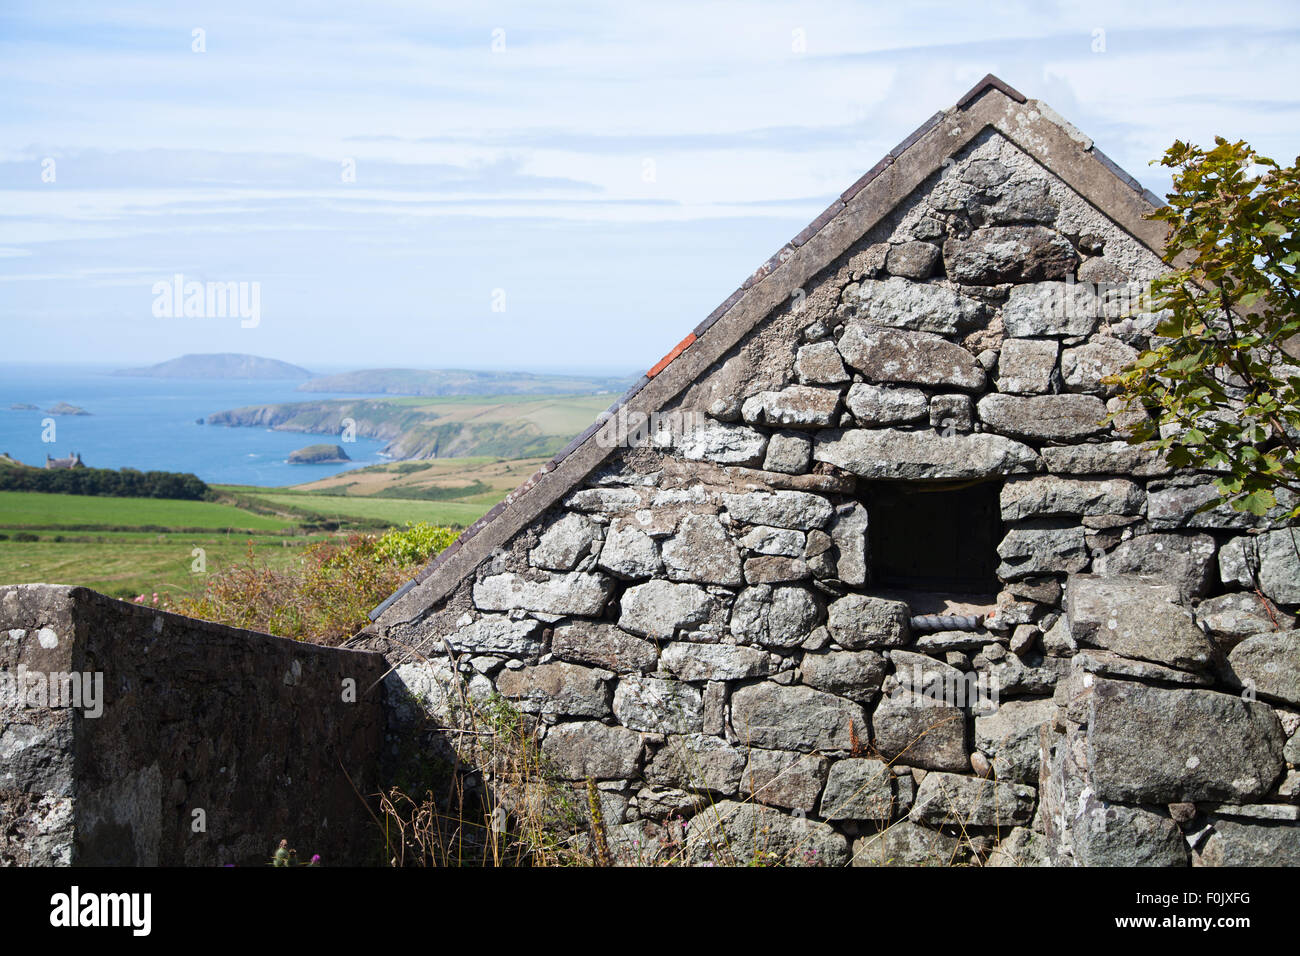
698 630
130 736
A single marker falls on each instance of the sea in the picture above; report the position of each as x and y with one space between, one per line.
152 424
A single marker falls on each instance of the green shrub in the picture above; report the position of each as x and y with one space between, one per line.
414 544
327 595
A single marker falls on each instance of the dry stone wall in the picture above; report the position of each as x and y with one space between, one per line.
699 629
134 737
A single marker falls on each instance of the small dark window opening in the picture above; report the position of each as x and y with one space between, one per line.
934 536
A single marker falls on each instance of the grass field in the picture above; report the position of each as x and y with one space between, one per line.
130 546
125 565
34 509
389 511
484 480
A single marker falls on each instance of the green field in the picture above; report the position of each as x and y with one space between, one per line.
479 480
390 511
34 509
125 565
130 546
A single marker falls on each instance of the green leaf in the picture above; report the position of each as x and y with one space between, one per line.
1222 377
1257 502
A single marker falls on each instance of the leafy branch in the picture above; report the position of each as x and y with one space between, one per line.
1221 376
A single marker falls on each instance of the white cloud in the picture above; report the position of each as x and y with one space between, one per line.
226 160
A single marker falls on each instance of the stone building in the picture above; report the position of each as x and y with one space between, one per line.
858 573
878 475
72 461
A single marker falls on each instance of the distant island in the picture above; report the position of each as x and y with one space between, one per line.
438 383
319 455
220 365
63 408
22 407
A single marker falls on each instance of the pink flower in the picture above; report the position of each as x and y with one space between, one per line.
139 599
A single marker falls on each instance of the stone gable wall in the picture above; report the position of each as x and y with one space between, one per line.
697 630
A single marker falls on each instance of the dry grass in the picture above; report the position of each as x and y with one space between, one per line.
325 595
503 804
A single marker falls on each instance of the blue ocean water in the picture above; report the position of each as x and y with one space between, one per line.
150 424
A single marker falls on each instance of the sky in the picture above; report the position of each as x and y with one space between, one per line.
550 187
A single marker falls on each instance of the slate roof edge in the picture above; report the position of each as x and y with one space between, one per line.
1005 114
989 82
